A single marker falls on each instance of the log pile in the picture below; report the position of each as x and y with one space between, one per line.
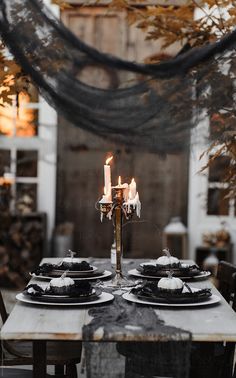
22 241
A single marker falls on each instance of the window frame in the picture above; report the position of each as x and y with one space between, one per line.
45 143
199 221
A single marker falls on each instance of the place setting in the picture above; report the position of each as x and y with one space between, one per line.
75 268
171 291
156 269
64 291
163 284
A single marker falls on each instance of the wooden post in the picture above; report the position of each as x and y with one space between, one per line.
39 359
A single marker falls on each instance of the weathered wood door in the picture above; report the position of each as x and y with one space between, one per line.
162 182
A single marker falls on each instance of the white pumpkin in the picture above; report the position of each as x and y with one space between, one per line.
69 261
61 282
61 285
167 260
170 283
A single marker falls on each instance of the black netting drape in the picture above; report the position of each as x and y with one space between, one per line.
150 106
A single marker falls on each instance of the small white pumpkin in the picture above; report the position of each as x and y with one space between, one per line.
170 283
61 282
167 259
61 285
69 261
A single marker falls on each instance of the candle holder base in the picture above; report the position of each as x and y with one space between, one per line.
119 281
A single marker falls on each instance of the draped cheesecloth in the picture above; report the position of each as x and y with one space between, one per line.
148 106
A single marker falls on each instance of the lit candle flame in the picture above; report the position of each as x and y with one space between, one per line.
119 180
108 160
133 180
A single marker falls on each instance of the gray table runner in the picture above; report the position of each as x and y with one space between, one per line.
168 357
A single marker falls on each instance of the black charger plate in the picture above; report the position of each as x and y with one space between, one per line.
181 299
76 274
152 270
55 274
56 270
66 298
149 291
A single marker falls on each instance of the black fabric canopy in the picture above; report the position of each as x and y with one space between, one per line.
148 106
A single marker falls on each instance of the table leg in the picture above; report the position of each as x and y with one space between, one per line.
39 359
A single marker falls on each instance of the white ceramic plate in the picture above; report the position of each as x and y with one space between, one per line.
210 301
105 274
104 297
136 273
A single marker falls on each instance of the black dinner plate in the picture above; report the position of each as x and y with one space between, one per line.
54 274
75 273
56 270
66 298
152 271
180 298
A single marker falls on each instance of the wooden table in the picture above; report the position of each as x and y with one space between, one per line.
41 323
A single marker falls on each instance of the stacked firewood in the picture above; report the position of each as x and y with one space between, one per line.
21 246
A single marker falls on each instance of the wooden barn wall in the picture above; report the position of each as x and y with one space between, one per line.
162 182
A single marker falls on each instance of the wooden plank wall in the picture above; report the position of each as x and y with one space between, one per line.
162 182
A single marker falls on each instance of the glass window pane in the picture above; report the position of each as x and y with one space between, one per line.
217 204
21 122
27 163
218 169
26 198
26 123
5 161
6 121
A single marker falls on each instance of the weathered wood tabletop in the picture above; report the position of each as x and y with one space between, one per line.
138 323
29 322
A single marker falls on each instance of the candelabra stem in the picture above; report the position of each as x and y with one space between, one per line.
119 280
119 242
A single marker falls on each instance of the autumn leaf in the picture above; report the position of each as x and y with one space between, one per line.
62 4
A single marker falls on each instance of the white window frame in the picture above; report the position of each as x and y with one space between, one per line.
45 143
198 219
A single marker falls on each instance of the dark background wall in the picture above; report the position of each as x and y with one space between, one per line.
162 181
